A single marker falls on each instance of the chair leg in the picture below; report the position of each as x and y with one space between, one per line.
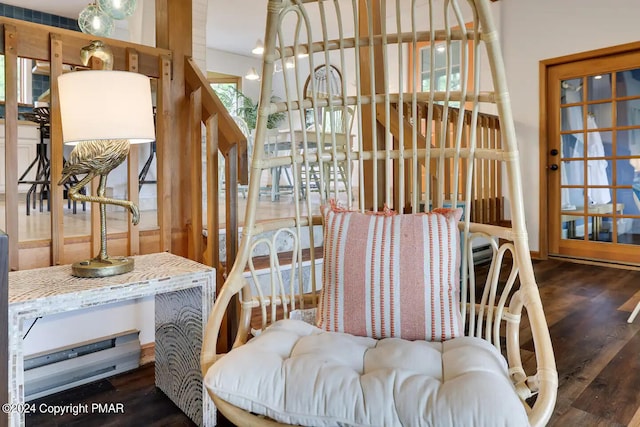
343 175
287 175
275 183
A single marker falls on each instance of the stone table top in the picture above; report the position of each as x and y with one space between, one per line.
47 282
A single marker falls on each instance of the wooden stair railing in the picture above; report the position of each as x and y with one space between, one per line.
59 47
487 206
223 135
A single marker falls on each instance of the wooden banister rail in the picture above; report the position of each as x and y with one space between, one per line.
36 46
211 104
223 135
488 200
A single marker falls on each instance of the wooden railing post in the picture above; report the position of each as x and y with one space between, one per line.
371 76
55 191
231 220
212 253
195 150
163 122
11 141
132 170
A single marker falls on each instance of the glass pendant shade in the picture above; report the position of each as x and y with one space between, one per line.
94 21
118 9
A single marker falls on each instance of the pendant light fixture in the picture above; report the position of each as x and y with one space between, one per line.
118 9
94 21
259 48
252 74
98 18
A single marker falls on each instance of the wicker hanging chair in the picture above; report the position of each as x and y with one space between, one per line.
378 315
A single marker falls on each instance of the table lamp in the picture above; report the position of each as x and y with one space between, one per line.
102 113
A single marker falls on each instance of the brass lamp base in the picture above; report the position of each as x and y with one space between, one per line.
102 267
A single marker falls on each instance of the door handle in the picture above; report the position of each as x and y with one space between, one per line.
553 167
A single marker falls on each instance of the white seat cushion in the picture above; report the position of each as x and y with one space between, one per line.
297 373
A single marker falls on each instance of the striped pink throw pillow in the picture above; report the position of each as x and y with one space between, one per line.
388 275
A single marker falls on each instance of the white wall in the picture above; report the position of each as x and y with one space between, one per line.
537 30
233 64
142 28
61 330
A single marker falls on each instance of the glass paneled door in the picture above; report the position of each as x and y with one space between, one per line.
594 159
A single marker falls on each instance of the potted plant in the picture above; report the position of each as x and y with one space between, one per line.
239 104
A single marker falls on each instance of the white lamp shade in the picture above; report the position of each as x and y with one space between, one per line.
101 104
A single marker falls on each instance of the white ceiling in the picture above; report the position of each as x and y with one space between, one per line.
235 26
244 19
232 25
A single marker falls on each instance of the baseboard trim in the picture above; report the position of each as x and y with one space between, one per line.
595 262
147 353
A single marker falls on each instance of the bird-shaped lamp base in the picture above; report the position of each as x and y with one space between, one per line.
97 267
98 158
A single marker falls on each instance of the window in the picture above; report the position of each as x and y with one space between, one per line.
24 80
228 94
228 88
419 66
439 77
240 106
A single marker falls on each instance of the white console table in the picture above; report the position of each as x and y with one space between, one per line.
184 293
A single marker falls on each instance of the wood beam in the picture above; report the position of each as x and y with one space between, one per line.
394 127
34 44
174 32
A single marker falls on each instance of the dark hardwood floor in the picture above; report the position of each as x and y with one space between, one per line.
143 404
597 354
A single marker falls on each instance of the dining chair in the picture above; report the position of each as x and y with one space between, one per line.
337 123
